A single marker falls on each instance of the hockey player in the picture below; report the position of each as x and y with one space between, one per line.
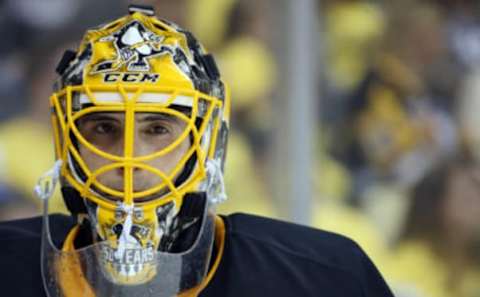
141 117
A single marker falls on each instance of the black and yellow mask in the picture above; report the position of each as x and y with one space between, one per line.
140 118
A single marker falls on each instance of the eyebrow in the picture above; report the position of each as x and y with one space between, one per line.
158 117
148 118
98 117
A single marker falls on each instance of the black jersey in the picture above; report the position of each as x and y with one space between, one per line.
261 257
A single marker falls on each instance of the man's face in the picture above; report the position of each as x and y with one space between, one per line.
152 132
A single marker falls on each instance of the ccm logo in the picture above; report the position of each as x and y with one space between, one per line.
130 77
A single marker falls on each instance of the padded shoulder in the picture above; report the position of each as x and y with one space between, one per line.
312 260
31 228
295 239
20 244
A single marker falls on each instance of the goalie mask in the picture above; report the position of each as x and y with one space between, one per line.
140 118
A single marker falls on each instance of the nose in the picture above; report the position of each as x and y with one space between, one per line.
120 171
138 149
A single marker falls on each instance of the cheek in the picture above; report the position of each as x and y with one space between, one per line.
92 160
168 162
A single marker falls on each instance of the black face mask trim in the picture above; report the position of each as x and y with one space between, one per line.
68 56
73 201
189 221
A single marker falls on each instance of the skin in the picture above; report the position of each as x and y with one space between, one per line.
152 133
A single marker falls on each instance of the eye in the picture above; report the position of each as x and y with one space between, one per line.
157 129
105 128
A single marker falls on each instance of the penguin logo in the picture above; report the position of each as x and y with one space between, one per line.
134 45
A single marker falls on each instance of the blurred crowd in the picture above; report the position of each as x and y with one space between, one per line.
399 114
398 144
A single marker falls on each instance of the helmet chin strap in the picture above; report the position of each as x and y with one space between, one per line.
48 181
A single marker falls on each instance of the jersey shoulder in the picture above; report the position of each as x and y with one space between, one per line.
297 240
21 228
31 228
285 259
20 250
